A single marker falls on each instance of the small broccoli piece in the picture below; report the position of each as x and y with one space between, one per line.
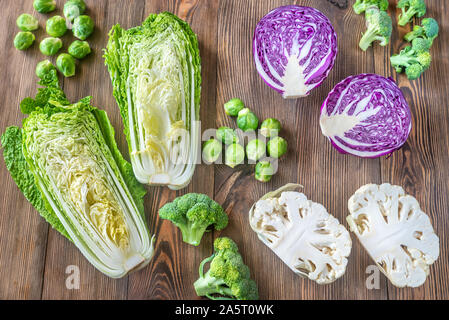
361 5
193 214
379 27
409 9
421 45
413 60
428 29
228 276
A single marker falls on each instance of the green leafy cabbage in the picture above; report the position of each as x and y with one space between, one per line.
156 75
66 162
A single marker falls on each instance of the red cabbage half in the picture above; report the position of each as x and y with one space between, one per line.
294 49
366 115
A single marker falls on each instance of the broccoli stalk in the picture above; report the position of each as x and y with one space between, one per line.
193 214
409 9
379 27
362 5
228 277
429 30
206 285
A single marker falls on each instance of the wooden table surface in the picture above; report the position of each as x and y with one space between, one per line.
34 258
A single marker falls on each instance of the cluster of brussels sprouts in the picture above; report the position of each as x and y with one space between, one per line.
256 150
56 27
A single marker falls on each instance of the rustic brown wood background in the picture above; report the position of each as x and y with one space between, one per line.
34 257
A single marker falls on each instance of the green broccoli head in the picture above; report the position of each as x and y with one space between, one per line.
379 27
410 8
428 29
413 59
361 5
228 276
421 44
193 214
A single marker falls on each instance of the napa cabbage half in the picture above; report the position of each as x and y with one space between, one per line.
156 75
66 162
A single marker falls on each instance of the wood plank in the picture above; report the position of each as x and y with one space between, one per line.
34 257
23 232
419 167
173 270
328 177
92 79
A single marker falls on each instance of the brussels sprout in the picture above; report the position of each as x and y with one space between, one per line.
50 46
263 171
26 22
44 6
235 155
44 68
233 107
270 127
255 149
23 40
211 150
73 9
79 49
66 64
226 135
247 120
56 26
277 147
83 26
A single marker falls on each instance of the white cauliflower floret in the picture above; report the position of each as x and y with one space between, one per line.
395 231
303 234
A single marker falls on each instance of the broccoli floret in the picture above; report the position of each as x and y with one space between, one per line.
193 214
228 276
361 5
409 9
413 60
379 27
428 29
421 45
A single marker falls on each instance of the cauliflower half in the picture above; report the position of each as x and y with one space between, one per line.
303 234
396 233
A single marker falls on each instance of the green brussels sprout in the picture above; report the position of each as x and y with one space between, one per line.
73 9
255 149
56 26
44 68
270 127
50 46
44 6
233 107
83 26
79 49
211 150
247 120
277 147
23 40
26 22
226 135
263 171
235 155
66 64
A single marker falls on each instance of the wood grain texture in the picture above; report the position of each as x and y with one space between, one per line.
34 257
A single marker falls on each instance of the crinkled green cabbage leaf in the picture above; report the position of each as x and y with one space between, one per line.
66 162
155 70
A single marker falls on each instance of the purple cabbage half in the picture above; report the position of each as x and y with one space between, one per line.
294 49
366 115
